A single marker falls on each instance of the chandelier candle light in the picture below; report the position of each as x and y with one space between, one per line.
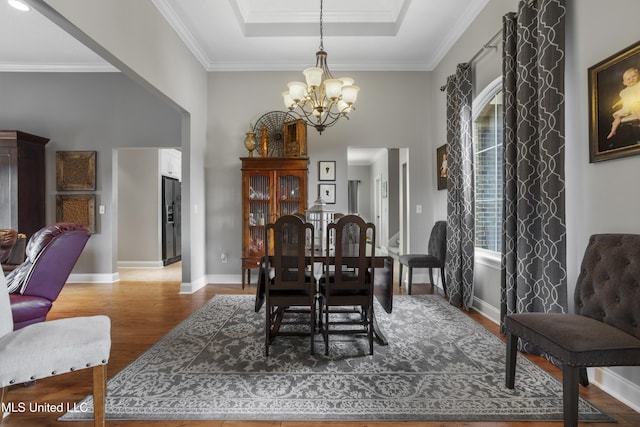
321 102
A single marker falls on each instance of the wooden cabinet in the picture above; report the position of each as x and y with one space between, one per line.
271 186
22 181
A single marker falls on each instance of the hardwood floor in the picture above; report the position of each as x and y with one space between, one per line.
143 311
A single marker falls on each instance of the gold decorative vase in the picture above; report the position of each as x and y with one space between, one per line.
250 140
264 141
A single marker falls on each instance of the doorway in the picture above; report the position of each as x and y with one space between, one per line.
383 192
404 237
140 212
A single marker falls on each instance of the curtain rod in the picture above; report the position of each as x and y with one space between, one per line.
488 45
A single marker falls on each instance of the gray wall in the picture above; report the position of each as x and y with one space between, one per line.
154 56
139 206
375 124
599 197
595 202
95 111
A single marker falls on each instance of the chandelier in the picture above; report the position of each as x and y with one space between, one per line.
323 99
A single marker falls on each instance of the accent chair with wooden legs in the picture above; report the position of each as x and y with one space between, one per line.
51 348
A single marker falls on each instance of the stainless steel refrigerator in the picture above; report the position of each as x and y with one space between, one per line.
171 218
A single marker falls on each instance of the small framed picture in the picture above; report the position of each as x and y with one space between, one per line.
326 170
441 167
327 192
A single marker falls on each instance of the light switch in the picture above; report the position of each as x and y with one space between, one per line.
418 208
101 209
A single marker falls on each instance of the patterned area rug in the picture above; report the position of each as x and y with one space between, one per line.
439 366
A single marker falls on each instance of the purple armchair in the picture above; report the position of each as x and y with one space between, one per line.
51 254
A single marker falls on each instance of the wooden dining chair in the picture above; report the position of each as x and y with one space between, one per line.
347 289
289 288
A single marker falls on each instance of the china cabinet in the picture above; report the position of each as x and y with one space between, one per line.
22 181
271 186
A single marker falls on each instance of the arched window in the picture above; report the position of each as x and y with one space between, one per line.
487 141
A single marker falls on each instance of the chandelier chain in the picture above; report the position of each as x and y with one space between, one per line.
321 29
323 99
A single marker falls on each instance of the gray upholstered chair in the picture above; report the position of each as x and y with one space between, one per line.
604 329
50 348
434 258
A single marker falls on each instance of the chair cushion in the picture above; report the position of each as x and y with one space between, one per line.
576 340
49 348
419 261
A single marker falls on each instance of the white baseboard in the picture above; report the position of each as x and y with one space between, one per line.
140 264
223 279
617 386
185 287
94 278
487 310
604 378
191 287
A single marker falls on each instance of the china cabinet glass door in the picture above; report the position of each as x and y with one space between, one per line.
289 194
259 210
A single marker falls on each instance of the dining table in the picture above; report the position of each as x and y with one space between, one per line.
382 286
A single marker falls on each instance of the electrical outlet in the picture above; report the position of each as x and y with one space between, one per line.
223 258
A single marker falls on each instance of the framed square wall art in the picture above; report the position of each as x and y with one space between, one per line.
75 170
326 170
614 98
328 193
441 167
77 208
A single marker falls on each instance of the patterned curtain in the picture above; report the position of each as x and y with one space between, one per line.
352 195
534 242
460 186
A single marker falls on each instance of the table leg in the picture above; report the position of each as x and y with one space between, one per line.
377 333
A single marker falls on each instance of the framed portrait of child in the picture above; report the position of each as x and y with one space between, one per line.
614 96
441 167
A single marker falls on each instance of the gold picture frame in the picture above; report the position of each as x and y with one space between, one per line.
441 167
77 208
75 170
614 96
